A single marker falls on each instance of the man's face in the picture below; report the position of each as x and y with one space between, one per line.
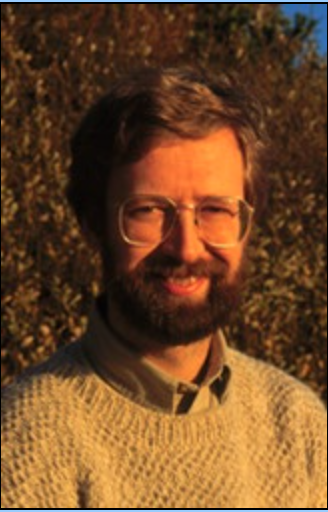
182 289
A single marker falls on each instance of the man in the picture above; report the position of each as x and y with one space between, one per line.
151 409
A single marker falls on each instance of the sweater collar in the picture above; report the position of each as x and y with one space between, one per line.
135 377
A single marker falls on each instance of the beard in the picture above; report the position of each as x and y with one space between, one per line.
148 308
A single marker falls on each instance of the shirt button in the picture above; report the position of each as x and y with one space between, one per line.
182 389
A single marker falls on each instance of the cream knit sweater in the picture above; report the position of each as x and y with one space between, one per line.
70 441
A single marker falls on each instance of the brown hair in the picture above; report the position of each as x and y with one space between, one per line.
159 103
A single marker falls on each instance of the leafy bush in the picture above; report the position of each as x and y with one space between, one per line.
56 60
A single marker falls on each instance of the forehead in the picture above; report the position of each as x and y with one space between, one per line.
185 169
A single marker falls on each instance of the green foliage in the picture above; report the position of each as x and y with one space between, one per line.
56 60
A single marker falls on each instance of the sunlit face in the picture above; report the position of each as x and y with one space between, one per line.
177 276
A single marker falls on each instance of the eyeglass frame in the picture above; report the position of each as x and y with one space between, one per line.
177 207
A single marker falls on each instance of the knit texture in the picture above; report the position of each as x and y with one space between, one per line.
71 441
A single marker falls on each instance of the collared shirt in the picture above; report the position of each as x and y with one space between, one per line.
133 375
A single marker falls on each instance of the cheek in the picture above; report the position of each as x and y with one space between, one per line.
127 258
124 257
234 258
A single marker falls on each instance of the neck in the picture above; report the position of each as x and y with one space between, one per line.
184 362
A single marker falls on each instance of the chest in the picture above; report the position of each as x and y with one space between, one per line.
225 474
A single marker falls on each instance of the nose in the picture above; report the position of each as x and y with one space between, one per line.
184 242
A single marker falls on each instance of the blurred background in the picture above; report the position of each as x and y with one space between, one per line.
318 12
56 60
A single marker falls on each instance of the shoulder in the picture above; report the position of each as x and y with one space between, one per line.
41 392
38 433
271 390
285 420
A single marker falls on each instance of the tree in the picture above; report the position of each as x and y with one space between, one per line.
56 59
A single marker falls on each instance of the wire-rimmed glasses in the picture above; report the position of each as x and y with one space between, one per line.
148 220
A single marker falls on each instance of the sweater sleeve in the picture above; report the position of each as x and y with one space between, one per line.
36 471
316 445
27 484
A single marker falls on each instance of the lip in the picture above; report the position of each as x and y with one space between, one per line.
182 290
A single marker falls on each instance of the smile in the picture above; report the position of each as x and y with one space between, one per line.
183 286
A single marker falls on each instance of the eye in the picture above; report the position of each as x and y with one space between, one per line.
218 209
139 210
135 210
211 208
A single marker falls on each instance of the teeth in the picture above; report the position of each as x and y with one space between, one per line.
188 281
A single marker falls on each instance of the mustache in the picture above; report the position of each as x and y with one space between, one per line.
165 267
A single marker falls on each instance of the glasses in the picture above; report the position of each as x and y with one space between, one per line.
221 222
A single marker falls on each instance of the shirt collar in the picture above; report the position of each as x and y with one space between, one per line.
134 376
